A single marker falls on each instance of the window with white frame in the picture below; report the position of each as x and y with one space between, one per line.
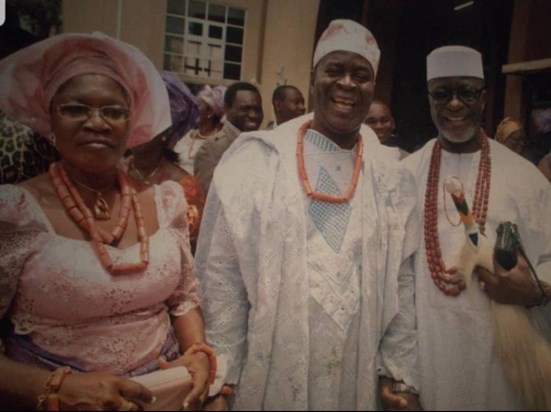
204 39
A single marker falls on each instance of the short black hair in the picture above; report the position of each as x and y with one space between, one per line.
229 96
380 101
280 91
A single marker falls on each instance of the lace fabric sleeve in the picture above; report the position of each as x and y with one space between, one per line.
225 301
398 354
186 295
19 238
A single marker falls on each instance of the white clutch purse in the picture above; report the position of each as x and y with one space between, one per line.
169 386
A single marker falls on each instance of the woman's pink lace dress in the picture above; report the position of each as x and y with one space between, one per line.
63 303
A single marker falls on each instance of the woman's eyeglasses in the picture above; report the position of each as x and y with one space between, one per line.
467 95
82 112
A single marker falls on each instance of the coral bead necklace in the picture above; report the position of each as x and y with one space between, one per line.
83 217
444 278
101 207
324 197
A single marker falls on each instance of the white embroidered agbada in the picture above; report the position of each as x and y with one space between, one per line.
272 311
459 367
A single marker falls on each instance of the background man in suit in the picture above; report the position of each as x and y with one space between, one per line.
243 107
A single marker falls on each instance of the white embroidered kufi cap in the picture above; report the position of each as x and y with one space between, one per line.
454 61
347 35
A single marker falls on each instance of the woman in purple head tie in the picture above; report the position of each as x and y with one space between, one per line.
156 161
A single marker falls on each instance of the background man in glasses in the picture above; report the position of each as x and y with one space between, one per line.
459 366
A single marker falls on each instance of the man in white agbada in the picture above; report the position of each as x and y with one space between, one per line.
459 367
304 252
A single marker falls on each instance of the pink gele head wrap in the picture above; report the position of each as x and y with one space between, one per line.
214 97
507 127
347 35
30 78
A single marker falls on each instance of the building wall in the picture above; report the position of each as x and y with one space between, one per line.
138 22
288 48
279 36
530 39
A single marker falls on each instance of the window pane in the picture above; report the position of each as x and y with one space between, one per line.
217 13
176 7
193 48
232 71
173 63
195 29
204 40
174 25
205 65
216 67
174 44
197 9
215 52
234 35
192 66
236 17
233 54
215 32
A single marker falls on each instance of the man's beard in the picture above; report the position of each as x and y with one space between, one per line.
462 136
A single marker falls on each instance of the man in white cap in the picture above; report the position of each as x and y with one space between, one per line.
304 252
459 364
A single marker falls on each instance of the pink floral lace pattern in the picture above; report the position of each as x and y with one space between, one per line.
55 290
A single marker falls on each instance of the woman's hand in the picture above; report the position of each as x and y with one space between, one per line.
98 391
198 367
397 400
216 403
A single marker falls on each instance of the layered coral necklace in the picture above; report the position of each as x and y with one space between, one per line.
443 278
324 197
83 217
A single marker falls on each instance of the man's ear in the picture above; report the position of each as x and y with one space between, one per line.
312 88
484 99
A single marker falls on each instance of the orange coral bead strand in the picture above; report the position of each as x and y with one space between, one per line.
203 347
143 238
73 202
445 281
324 197
81 214
126 205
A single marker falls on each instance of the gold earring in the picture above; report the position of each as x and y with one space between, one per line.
52 139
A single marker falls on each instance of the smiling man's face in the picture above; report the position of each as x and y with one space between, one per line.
343 91
457 106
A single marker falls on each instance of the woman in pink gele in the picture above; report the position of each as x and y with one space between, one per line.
96 280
